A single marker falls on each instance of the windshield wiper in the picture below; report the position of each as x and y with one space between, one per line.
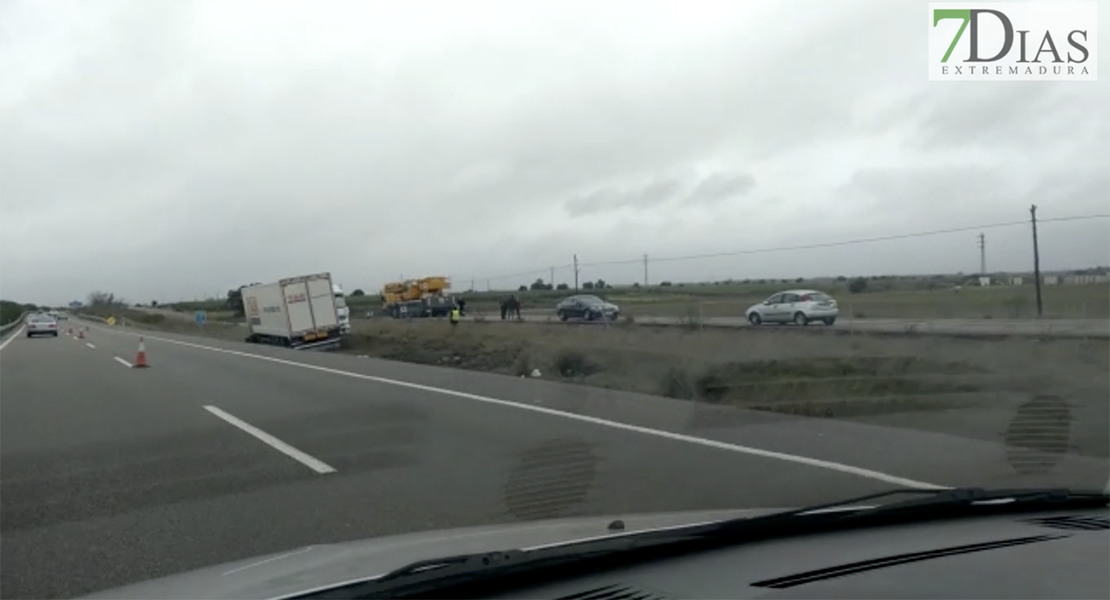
466 574
936 503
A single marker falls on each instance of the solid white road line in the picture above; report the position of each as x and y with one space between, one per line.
90 345
679 437
122 362
309 461
15 334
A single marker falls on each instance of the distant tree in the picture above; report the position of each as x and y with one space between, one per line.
600 284
746 281
636 285
234 301
538 284
799 280
841 278
858 285
99 298
664 284
786 281
358 292
589 285
522 288
562 286
154 303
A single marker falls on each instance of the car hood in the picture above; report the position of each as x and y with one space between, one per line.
299 570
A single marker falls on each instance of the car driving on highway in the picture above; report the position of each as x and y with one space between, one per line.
42 324
586 307
799 307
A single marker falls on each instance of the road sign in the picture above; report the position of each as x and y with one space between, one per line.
110 320
200 317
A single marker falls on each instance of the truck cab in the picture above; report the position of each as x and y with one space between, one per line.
341 309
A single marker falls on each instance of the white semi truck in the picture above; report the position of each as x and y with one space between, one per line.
297 312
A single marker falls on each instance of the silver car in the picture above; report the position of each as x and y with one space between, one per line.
794 306
41 324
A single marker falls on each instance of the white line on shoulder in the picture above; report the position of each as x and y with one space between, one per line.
15 334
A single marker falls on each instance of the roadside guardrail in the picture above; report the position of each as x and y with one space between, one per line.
4 329
9 326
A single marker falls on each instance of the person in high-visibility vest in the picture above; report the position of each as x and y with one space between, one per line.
455 313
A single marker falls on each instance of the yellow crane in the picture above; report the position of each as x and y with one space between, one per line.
416 298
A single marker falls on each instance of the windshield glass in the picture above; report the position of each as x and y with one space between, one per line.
353 270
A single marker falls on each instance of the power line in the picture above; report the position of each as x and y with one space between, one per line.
885 238
723 254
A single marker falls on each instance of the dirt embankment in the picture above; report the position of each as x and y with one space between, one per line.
776 370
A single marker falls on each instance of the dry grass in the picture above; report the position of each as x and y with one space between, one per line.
959 386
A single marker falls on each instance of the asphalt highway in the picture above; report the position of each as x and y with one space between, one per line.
219 451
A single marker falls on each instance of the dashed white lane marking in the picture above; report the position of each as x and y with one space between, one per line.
122 362
307 460
90 345
792 458
15 334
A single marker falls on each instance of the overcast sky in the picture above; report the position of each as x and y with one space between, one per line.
167 149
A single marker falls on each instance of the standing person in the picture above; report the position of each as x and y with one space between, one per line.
462 307
455 314
515 306
504 308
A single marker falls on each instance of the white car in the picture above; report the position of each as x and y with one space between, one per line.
41 324
794 306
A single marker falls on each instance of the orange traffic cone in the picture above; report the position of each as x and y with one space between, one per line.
140 359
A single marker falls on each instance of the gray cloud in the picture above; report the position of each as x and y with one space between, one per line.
180 148
719 187
639 197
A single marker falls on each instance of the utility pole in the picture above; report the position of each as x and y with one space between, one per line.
645 270
1036 260
576 273
982 255
551 281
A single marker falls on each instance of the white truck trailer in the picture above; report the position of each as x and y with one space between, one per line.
297 312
